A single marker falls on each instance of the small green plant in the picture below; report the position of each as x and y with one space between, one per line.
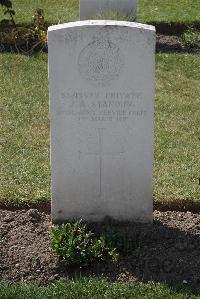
76 245
191 37
39 25
39 31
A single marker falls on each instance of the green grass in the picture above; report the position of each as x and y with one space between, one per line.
25 171
169 11
24 127
60 11
177 143
190 37
179 11
96 289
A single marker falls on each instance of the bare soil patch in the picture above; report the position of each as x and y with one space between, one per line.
167 41
172 44
167 251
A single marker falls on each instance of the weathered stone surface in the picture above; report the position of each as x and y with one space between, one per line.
101 78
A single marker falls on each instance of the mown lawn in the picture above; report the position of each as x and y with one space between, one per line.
24 127
169 11
179 11
97 289
24 159
60 11
177 143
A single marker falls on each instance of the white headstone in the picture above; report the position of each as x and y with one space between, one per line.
101 78
90 8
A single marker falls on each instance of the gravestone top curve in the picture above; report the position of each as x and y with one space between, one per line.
101 23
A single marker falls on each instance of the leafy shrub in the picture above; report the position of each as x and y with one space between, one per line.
76 245
26 39
191 37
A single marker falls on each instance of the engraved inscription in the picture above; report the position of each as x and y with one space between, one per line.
101 106
100 62
100 154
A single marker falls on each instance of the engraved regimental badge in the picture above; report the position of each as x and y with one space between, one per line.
100 62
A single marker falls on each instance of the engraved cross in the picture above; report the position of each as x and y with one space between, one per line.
100 154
